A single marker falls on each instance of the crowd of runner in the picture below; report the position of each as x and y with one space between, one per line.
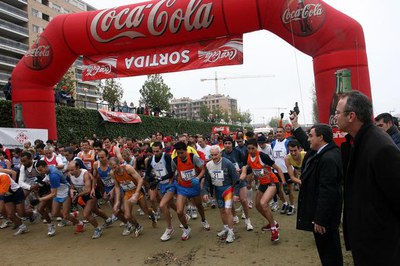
61 185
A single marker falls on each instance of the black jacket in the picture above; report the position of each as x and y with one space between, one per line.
320 196
371 219
395 135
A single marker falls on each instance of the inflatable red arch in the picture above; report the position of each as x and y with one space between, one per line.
334 40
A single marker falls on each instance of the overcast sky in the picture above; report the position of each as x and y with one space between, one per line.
267 54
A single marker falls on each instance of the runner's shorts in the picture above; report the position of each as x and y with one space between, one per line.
16 197
164 188
224 196
190 192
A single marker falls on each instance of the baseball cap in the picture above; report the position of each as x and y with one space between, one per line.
167 139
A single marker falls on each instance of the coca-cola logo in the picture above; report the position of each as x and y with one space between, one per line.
227 51
40 55
157 18
303 17
104 66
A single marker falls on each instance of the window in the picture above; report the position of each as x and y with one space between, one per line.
46 17
35 28
35 13
57 8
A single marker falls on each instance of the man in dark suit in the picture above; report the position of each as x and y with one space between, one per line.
320 196
371 219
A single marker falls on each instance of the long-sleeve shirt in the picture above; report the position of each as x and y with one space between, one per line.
222 173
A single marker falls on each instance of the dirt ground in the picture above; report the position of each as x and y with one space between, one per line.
203 247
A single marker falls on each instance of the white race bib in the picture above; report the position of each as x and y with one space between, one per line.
217 177
160 172
188 175
258 172
109 182
128 185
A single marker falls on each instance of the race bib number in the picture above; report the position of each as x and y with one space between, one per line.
128 185
217 177
188 174
258 172
88 165
160 172
109 182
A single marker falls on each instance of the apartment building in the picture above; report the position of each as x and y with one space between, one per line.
22 21
187 108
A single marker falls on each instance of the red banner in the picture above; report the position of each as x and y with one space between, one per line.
118 117
221 129
219 52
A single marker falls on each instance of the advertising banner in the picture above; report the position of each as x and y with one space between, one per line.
219 52
119 117
15 137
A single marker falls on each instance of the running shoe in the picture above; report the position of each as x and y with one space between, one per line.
138 230
153 218
194 213
79 227
284 208
51 230
235 219
140 211
108 222
97 233
167 234
206 225
62 223
186 233
268 227
127 229
291 210
222 233
114 218
274 235
250 204
187 220
5 224
249 227
213 203
230 237
21 229
243 215
275 206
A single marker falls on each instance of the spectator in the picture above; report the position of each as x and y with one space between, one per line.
385 122
7 90
371 216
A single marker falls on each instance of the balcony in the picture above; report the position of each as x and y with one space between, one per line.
88 92
13 31
13 46
8 61
16 3
4 77
12 14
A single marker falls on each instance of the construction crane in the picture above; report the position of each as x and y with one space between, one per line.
236 77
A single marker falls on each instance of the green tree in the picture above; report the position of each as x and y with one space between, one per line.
274 122
235 117
204 112
314 104
111 91
155 93
216 115
225 116
67 82
247 117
